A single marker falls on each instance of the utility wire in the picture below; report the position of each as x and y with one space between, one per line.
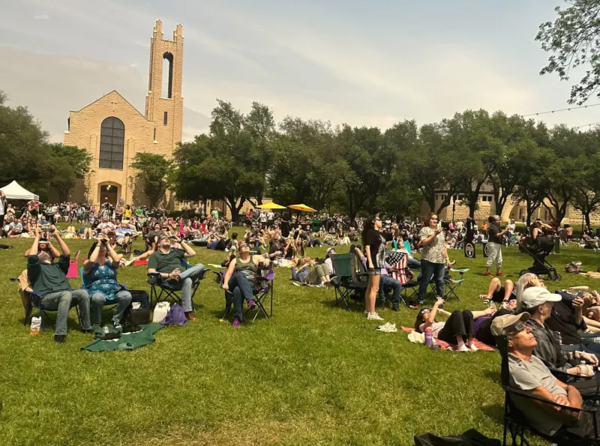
585 125
561 110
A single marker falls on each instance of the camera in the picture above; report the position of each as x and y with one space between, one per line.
103 241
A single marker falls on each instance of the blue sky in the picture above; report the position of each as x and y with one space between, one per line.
357 62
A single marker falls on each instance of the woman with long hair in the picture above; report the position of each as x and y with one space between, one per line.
434 257
374 246
459 329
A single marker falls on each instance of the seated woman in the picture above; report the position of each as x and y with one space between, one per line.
219 239
459 329
303 274
240 279
498 293
71 232
100 276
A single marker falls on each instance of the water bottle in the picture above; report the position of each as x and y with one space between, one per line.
105 330
428 337
36 323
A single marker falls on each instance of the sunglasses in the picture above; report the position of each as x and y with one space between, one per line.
425 311
516 328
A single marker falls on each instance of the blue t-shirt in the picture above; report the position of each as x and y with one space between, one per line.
103 279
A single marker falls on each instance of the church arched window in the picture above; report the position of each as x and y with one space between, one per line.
112 143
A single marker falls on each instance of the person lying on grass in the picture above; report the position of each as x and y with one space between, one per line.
500 294
458 330
100 275
50 281
310 273
240 279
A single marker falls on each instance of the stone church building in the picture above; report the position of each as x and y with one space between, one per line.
113 131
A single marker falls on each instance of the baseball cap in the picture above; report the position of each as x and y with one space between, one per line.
537 295
502 324
162 237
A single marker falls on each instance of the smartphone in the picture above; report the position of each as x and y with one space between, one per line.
439 225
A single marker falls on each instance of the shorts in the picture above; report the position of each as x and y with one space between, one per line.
374 271
498 296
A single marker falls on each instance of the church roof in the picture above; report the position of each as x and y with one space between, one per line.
108 94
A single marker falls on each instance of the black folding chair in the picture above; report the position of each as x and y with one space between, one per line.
515 422
167 291
263 290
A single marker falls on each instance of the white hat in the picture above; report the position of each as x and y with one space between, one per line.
537 295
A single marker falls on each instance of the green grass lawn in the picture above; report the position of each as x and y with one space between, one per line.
311 375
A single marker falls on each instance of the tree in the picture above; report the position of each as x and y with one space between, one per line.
468 139
422 159
573 41
66 165
371 163
154 171
22 145
232 162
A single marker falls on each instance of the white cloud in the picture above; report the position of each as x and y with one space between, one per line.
42 17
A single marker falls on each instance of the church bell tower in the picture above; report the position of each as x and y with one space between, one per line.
164 102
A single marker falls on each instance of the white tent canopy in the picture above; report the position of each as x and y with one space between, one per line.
15 191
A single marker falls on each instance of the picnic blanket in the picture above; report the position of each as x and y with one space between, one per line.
447 346
127 341
140 262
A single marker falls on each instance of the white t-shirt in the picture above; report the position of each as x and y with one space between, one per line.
329 264
435 328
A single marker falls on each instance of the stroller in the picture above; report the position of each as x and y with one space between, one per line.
539 251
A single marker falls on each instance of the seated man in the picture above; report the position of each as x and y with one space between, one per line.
528 373
15 229
125 234
100 275
168 262
105 226
50 281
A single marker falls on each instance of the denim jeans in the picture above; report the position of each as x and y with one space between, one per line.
413 263
241 288
122 299
387 283
431 272
299 276
62 302
187 279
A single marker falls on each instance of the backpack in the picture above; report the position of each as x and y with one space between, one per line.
175 316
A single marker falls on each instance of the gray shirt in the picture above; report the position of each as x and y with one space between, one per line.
528 375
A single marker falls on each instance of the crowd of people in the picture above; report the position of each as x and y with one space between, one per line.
545 331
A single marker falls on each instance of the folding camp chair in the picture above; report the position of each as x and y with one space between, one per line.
453 284
168 291
347 280
402 273
34 301
515 422
264 288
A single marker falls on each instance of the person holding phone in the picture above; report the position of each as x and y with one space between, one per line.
100 276
434 257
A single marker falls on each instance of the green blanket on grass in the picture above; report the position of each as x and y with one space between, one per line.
127 341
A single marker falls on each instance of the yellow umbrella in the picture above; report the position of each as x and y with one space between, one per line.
270 205
302 207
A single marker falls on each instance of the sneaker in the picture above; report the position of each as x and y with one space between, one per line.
462 348
395 307
251 304
374 317
473 347
501 275
60 339
490 275
236 323
296 283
